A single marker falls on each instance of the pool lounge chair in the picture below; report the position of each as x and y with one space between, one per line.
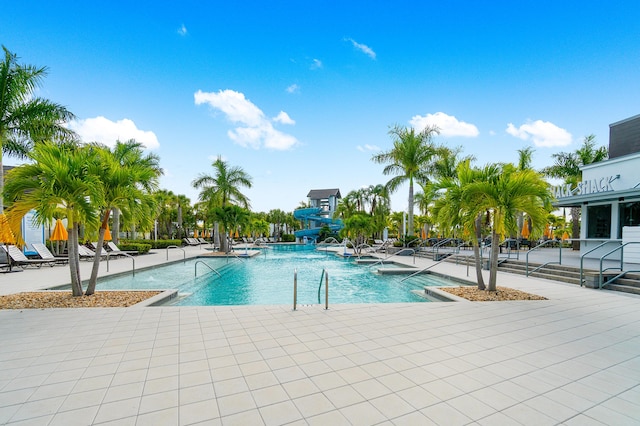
18 258
86 253
113 250
44 253
190 242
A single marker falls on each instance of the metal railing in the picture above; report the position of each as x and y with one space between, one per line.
122 254
324 275
582 256
623 272
195 268
559 262
184 253
381 261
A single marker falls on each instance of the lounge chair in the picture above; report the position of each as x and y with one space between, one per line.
44 253
18 258
113 250
190 242
203 241
86 253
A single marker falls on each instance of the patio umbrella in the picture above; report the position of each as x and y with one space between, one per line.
565 236
107 234
59 232
547 231
525 230
207 235
6 236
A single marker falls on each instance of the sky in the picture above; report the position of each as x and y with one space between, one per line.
301 95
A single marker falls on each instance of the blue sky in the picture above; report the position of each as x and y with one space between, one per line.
302 94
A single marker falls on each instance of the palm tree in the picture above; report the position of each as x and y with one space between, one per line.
59 175
525 158
223 188
410 160
505 194
128 177
567 166
24 118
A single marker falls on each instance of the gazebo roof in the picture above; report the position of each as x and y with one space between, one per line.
321 194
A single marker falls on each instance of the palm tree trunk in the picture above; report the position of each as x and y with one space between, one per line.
116 226
1 179
493 266
476 253
91 288
74 260
410 213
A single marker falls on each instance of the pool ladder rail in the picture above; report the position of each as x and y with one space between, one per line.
324 275
195 268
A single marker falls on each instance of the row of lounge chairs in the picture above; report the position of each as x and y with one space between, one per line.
194 241
45 257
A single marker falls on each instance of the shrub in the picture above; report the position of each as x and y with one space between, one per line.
141 248
288 238
156 244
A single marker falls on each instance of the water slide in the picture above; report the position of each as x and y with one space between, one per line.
314 214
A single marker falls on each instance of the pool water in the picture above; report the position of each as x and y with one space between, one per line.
268 278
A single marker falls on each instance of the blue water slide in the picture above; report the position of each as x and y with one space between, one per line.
313 214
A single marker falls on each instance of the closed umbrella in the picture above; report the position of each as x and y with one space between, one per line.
547 231
6 236
59 232
195 234
565 236
525 230
107 234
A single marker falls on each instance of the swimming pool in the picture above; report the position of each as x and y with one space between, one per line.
267 279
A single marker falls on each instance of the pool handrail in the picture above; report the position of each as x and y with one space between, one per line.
184 253
381 261
195 268
295 288
425 269
123 254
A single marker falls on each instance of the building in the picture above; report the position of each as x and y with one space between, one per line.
609 196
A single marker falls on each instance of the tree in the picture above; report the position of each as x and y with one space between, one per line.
223 188
358 227
128 177
59 175
410 160
278 218
506 193
567 166
24 118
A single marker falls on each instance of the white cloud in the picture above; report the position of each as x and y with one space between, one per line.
182 30
256 130
367 147
541 133
283 118
363 48
449 125
316 64
294 88
105 131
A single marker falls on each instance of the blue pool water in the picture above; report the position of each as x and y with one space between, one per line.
267 279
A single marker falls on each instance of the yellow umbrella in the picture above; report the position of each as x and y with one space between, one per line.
6 235
525 230
237 235
565 236
59 232
107 234
207 235
195 234
423 234
547 231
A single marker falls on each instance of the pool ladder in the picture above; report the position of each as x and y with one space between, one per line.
324 275
195 268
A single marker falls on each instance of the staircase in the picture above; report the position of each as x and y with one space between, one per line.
630 283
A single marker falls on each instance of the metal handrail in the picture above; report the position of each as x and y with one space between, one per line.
621 248
123 254
295 288
320 286
582 259
195 268
184 253
559 262
508 247
381 261
422 270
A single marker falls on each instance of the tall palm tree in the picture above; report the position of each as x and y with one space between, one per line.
223 188
410 160
567 166
59 175
128 177
505 194
25 118
525 160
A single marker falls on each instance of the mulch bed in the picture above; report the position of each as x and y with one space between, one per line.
64 299
502 294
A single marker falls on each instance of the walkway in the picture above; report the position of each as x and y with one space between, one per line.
573 359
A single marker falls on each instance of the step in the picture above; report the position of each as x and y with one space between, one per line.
552 277
622 288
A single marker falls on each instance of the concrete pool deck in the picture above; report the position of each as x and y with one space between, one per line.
572 359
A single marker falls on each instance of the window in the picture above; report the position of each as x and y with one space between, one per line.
629 215
599 221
